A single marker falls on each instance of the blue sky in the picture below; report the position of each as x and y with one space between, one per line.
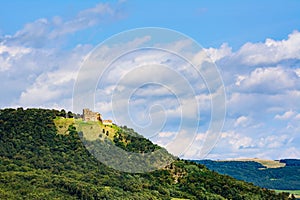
255 44
211 23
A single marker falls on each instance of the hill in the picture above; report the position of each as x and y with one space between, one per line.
41 159
281 175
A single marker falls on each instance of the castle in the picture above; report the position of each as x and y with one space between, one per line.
89 115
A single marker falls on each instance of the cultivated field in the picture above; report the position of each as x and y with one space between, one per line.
266 163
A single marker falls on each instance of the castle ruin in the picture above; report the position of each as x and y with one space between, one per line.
89 115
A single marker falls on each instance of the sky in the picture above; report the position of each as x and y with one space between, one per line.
255 46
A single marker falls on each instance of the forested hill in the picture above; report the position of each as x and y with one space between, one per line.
38 162
285 177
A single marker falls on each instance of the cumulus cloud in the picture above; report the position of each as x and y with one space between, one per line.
48 87
271 51
269 80
274 141
35 67
9 54
260 92
262 81
217 54
237 141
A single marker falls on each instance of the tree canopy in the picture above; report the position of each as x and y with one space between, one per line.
38 163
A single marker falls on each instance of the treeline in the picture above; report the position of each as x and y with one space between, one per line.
291 162
38 163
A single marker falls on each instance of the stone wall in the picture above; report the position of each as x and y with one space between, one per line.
107 122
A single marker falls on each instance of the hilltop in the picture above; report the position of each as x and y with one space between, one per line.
42 157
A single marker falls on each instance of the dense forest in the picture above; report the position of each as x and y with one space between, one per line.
282 178
38 163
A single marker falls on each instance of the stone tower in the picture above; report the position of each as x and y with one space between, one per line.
89 115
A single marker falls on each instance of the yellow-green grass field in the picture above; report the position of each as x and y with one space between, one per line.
91 129
62 124
264 162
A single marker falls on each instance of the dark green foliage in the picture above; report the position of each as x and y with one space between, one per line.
38 163
129 140
284 178
291 162
70 114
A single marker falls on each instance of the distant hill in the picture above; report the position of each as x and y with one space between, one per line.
264 162
42 157
282 174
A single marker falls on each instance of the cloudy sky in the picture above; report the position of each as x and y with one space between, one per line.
255 46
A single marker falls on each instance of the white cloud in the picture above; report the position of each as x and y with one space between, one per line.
8 55
200 137
177 46
48 87
239 79
86 18
167 134
217 54
13 50
285 116
54 83
37 34
271 51
269 80
36 68
261 83
241 121
260 92
297 72
260 104
273 141
237 141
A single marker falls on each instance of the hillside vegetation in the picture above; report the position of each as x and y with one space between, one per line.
40 161
286 177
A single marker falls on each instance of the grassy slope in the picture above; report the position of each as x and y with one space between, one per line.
264 162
